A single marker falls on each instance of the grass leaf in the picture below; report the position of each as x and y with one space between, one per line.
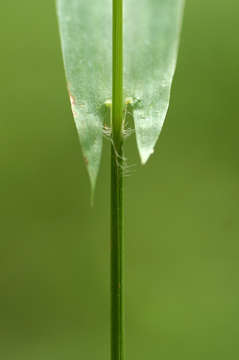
151 34
152 30
85 29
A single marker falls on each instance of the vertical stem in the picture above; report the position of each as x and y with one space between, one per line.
116 259
117 311
117 102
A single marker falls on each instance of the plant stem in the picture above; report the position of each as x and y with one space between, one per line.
117 310
116 259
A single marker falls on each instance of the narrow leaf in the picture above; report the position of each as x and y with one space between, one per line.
85 28
152 30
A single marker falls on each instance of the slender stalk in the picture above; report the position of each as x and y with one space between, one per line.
117 310
117 326
117 102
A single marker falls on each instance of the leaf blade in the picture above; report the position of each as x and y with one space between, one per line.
152 29
87 47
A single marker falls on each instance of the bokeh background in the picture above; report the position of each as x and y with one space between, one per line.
182 223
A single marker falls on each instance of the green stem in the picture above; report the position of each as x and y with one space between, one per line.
117 101
116 259
117 311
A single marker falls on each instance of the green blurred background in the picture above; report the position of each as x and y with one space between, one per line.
182 223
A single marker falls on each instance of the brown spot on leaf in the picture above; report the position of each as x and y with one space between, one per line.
73 102
72 99
86 160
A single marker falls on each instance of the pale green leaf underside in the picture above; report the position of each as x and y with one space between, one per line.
150 50
85 28
152 30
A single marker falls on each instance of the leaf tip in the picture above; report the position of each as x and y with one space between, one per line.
145 155
93 173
